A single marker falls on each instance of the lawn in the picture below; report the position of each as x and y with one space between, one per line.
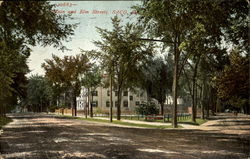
199 121
121 122
4 121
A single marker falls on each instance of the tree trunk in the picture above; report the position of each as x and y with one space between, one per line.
193 102
194 96
74 104
202 101
196 99
88 112
64 100
162 108
111 100
4 110
119 103
175 83
91 105
208 102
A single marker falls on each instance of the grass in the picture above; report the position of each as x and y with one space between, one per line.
189 121
122 123
4 121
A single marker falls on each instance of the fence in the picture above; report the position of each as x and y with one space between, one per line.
165 118
64 111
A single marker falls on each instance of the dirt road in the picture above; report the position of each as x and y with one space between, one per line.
33 136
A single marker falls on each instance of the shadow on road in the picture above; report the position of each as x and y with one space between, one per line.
43 136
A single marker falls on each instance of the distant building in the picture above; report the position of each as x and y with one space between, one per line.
101 99
182 105
169 101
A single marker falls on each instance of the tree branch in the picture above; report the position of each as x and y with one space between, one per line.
157 40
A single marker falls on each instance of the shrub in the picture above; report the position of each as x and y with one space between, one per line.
146 109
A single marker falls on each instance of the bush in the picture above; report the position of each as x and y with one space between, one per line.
52 108
4 121
147 109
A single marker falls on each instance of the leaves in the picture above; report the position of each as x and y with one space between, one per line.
67 69
234 79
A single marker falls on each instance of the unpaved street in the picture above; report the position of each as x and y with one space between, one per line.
32 136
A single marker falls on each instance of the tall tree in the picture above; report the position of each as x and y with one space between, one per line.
24 24
172 22
39 93
157 79
233 82
91 80
66 72
126 54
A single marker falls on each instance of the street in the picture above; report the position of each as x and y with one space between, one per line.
32 136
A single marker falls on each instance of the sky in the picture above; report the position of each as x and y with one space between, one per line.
89 15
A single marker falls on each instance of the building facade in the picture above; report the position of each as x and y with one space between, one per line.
101 99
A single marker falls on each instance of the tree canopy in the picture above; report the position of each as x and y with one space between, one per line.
123 54
233 82
24 24
66 72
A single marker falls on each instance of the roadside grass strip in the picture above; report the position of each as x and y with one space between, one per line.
120 122
4 121
189 121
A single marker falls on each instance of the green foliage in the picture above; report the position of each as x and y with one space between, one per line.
65 74
121 51
24 24
192 29
122 55
52 108
233 82
66 71
147 109
4 121
92 78
39 93
158 78
34 22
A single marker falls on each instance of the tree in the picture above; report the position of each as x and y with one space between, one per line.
66 72
39 93
120 50
91 80
24 24
233 82
173 22
13 68
158 79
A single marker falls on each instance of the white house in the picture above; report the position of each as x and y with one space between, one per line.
101 99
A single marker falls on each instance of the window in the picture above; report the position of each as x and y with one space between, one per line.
130 97
125 103
125 93
108 93
116 93
94 93
107 103
116 103
137 103
95 103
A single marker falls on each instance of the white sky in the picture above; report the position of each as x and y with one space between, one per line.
85 33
